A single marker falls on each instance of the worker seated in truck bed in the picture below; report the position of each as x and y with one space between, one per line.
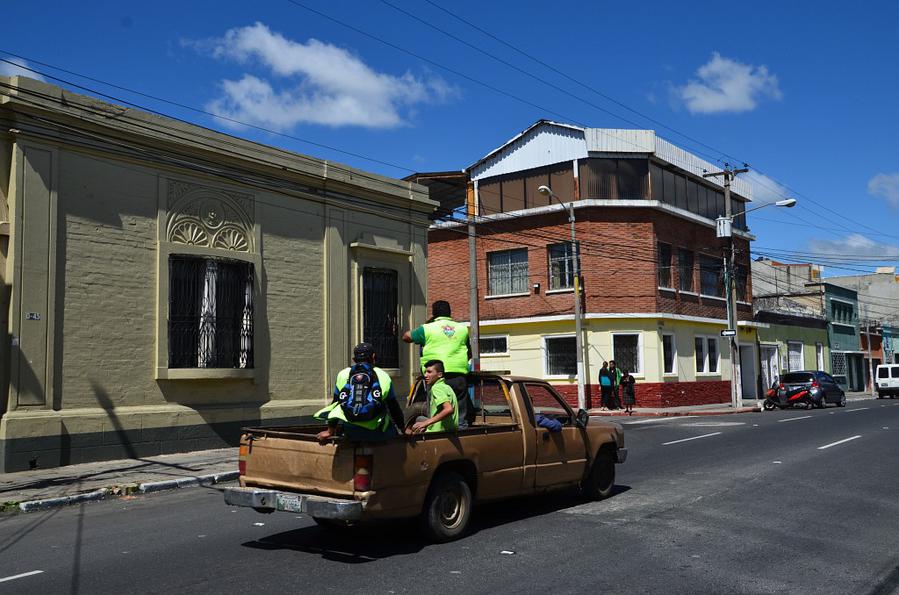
443 410
364 403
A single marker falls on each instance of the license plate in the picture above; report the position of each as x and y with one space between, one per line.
290 503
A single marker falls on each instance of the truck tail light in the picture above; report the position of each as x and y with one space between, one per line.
242 460
362 474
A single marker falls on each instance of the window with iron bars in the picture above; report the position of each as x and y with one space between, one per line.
562 265
210 313
507 272
380 314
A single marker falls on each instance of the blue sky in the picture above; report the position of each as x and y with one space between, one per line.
805 95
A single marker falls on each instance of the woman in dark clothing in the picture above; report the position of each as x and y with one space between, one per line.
627 392
606 383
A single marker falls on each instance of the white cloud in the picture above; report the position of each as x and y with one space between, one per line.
765 190
854 245
7 69
885 186
313 82
725 85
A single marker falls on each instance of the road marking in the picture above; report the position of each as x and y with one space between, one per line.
23 575
859 409
780 421
652 419
688 439
838 442
714 424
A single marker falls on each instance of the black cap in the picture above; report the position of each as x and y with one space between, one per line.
363 352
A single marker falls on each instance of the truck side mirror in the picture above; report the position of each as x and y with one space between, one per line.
582 418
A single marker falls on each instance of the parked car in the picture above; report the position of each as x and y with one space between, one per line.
811 388
887 380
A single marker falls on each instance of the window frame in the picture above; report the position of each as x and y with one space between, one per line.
660 266
572 254
719 285
640 359
674 366
680 269
527 273
545 356
497 354
706 340
801 355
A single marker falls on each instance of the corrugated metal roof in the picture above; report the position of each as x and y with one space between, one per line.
544 143
618 140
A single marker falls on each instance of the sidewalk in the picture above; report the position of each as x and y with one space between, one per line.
715 409
40 489
749 405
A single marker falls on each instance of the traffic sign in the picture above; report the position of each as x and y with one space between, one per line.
729 333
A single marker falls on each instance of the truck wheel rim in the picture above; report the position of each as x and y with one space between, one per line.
451 507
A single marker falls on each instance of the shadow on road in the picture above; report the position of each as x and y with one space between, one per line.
370 542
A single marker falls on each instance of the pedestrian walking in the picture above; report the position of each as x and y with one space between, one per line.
627 391
605 386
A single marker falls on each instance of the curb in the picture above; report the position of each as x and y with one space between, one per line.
676 413
186 482
124 490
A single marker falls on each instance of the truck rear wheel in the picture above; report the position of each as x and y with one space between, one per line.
601 479
447 508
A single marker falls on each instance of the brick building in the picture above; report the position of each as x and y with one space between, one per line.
652 266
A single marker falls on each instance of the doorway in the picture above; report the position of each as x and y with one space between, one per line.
770 365
748 374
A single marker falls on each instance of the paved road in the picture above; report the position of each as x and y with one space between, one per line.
779 502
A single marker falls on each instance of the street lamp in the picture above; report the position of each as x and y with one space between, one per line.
575 256
724 227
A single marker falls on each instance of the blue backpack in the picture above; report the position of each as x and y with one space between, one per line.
360 397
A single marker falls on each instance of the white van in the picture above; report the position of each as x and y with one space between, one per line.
887 380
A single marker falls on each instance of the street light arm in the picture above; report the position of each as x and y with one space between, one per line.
786 203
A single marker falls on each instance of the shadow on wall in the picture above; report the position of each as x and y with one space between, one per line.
211 398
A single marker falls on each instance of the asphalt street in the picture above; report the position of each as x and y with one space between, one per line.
779 502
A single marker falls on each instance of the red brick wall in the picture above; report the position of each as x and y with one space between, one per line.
618 256
660 394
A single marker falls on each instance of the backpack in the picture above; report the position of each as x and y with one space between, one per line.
360 397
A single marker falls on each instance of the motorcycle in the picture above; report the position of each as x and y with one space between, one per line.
781 397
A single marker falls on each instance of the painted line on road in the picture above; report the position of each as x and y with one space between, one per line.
839 442
859 409
657 419
780 421
688 439
23 575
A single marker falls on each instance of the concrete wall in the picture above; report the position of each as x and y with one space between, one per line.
90 235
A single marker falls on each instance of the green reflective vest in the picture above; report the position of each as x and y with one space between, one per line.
446 340
334 412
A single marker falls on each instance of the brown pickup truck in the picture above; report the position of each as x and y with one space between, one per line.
436 477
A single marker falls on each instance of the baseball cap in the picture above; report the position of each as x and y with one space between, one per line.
363 351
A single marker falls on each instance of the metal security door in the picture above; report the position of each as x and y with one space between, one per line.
770 365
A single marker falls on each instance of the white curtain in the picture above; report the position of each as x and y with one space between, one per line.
206 357
246 324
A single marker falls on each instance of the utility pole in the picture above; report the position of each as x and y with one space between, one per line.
736 391
870 361
578 311
474 324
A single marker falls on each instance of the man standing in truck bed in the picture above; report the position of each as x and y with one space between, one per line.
446 340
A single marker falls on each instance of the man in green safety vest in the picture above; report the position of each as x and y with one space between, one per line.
364 403
444 339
